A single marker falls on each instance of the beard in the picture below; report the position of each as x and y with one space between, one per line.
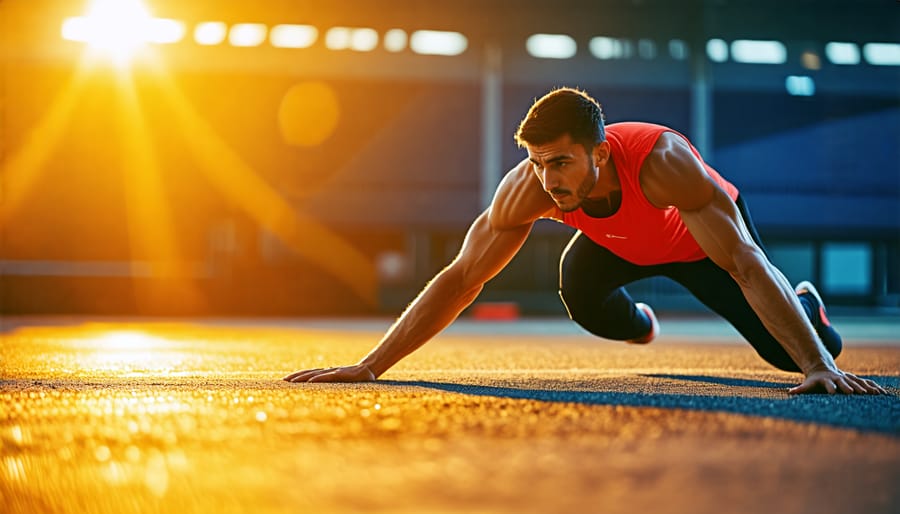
577 198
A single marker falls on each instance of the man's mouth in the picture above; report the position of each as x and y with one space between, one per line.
559 194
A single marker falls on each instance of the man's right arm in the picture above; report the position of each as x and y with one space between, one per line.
488 247
485 252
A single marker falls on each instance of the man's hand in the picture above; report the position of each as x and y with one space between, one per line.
836 381
355 373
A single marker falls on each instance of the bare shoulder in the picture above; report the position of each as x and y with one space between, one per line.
673 176
519 199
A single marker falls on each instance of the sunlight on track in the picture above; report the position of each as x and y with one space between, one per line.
127 340
170 416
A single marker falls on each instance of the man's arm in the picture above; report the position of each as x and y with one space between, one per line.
672 175
491 242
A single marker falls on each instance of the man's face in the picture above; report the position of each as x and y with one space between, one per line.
565 169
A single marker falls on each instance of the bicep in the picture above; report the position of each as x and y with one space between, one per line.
486 250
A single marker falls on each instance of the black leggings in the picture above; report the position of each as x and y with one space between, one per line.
591 279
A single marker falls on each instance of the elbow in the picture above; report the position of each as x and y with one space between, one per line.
749 264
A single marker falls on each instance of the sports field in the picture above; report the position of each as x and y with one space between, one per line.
117 416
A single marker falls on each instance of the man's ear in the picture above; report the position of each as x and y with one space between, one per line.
601 153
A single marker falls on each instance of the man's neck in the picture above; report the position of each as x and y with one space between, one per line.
606 196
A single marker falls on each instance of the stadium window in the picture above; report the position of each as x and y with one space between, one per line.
293 36
551 46
337 38
842 53
610 48
436 42
363 40
347 38
758 51
395 40
247 34
678 49
647 49
717 50
210 33
882 54
847 268
800 85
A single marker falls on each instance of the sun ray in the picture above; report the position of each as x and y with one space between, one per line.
150 227
23 167
240 184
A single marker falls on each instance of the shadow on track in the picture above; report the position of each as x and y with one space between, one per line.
865 413
733 382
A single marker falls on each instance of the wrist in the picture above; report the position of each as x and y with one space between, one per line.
369 364
818 367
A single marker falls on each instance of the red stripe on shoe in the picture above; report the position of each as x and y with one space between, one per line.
823 317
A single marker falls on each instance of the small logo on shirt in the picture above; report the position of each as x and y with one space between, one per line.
613 236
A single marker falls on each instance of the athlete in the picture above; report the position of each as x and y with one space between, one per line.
645 204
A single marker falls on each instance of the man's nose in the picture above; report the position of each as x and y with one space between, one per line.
550 180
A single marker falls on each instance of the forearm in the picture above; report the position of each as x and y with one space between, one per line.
441 302
774 301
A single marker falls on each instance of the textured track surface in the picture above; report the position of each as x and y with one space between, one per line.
127 417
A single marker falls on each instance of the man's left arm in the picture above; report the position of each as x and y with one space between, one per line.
673 176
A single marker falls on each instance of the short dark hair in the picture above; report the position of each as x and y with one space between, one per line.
563 111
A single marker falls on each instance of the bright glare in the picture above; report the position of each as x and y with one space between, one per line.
395 40
164 31
717 50
359 39
364 40
609 48
758 51
800 85
882 54
551 46
436 42
129 340
119 28
247 34
842 53
210 33
293 36
337 38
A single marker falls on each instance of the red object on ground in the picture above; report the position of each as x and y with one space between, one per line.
495 311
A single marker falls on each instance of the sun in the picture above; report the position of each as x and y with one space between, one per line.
119 29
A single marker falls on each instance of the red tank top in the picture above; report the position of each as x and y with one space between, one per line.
639 232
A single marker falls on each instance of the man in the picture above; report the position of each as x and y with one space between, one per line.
645 204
